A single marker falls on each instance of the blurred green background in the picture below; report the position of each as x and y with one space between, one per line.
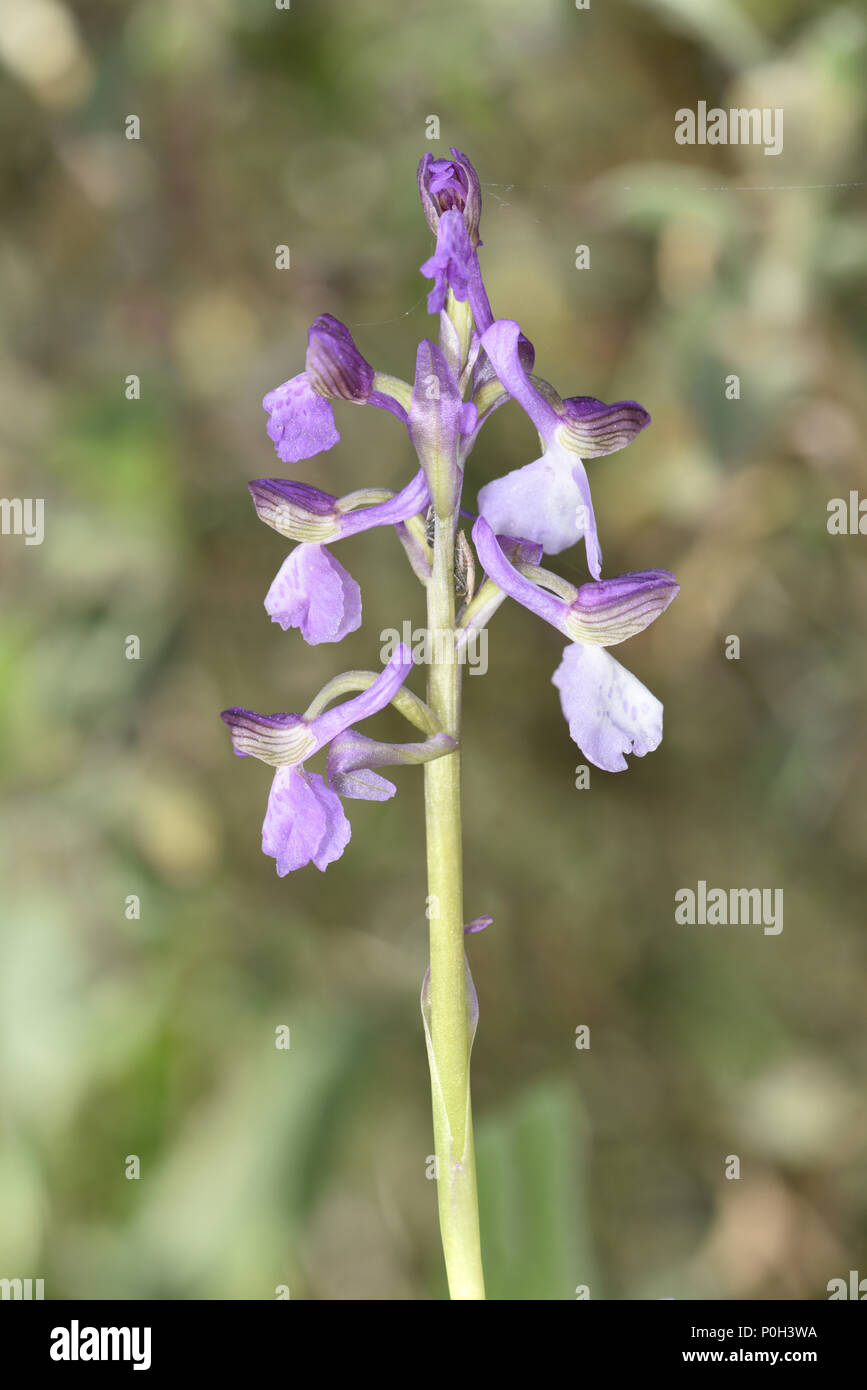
155 1036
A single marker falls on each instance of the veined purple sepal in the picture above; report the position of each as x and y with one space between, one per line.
304 513
446 185
609 611
296 510
334 366
313 592
352 757
592 429
281 740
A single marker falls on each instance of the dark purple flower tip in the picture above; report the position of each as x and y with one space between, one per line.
593 428
335 368
478 924
450 184
611 610
280 740
296 510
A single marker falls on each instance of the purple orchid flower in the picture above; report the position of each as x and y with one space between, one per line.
549 499
608 710
300 414
312 591
305 821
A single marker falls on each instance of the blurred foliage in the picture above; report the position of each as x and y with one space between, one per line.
155 1036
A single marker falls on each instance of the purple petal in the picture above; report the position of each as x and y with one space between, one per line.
280 740
305 822
313 592
301 422
334 366
593 428
609 712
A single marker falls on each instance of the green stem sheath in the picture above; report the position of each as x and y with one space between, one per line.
448 1039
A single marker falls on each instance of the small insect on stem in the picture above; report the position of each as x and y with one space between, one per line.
465 568
465 562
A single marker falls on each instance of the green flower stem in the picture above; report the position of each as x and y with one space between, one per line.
446 1009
